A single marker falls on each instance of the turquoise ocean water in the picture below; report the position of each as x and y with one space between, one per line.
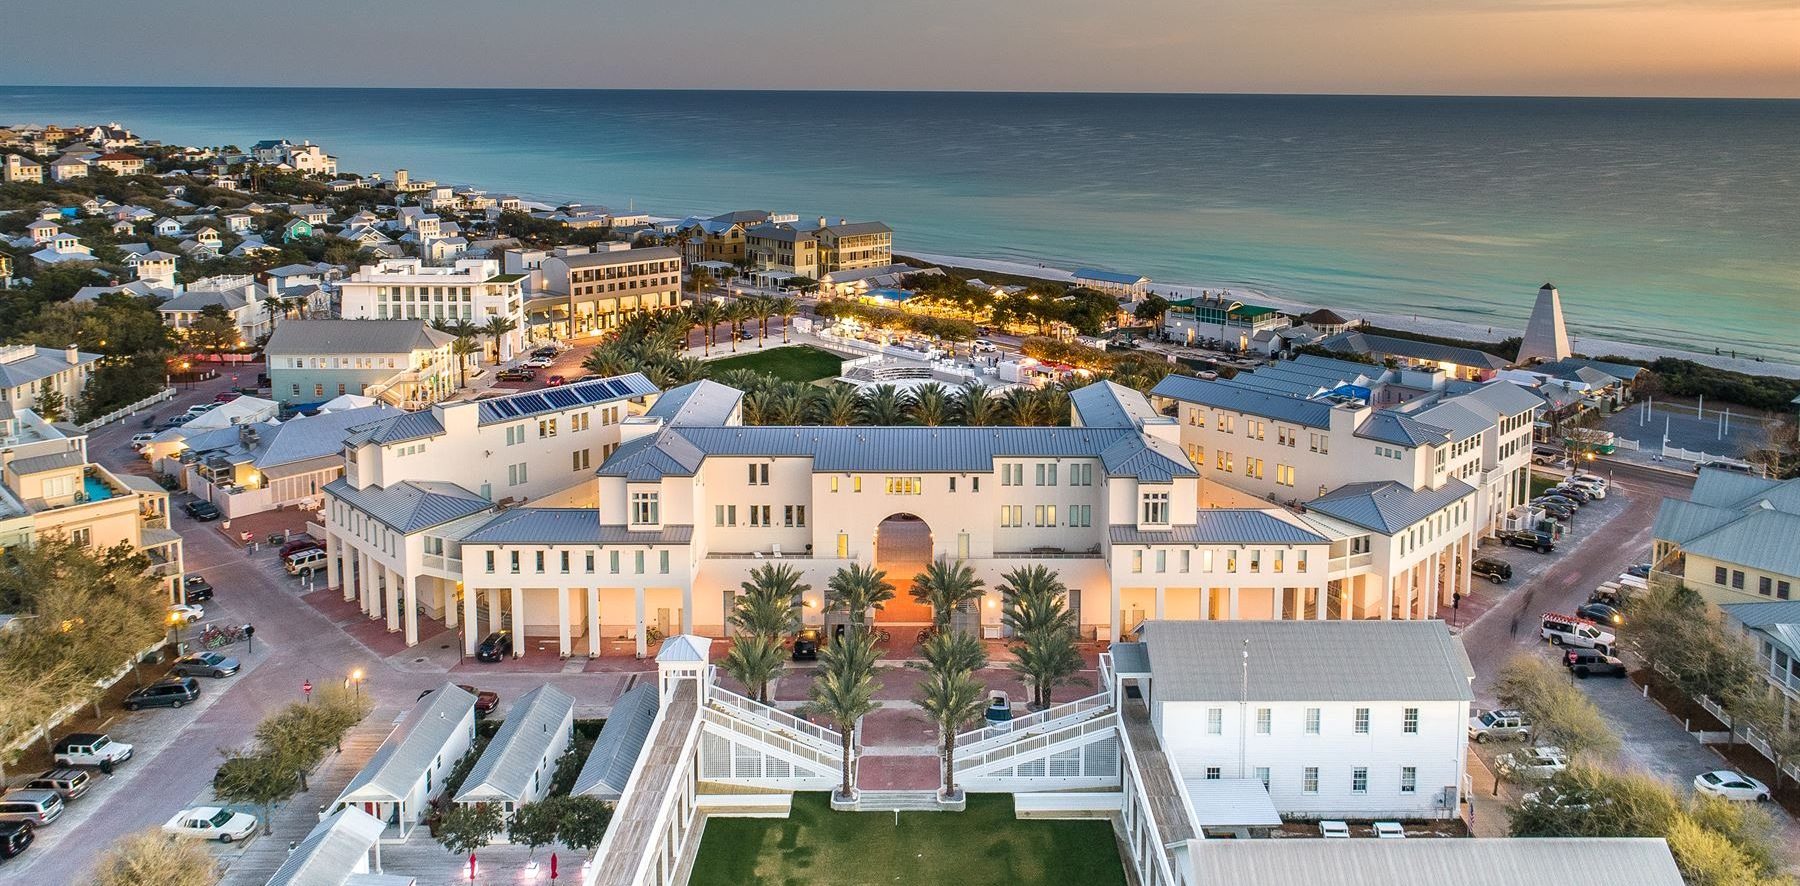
1670 222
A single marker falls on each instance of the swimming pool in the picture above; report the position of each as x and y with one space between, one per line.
96 490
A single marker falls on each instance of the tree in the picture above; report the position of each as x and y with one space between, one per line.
213 329
584 821
1757 706
856 589
49 403
1151 309
786 308
884 404
755 662
946 586
951 698
844 691
932 405
1035 607
534 825
838 405
769 605
1560 714
467 827
708 315
151 856
262 779
497 328
976 407
461 348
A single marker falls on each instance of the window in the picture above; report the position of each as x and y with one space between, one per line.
1012 475
1256 560
565 562
1359 780
1265 721
1137 561
759 475
638 557
644 508
724 515
1782 589
546 427
1362 721
1081 475
1215 721
794 515
1409 721
590 562
1309 780
581 460
1409 779
834 484
1213 773
1312 721
1253 467
1081 515
1012 515
1262 775
539 559
613 557
1737 579
1045 515
1284 475
515 563
1162 561
1156 507
515 434
759 516
905 486
1718 575
516 474
1253 429
662 558
580 421
82 537
490 562
1765 586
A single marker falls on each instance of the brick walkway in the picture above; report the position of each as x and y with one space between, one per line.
258 859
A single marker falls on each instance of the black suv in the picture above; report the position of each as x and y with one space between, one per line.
1592 663
164 694
496 647
806 646
1527 538
14 837
1496 571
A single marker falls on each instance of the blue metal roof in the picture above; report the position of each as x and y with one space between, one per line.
396 429
1392 427
1387 506
411 505
1188 389
1222 526
1110 276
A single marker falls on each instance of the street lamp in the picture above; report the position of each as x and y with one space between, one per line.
356 679
175 621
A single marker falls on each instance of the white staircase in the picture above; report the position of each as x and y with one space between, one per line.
746 742
1069 746
899 801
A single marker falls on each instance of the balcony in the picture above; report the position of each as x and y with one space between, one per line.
1048 553
440 563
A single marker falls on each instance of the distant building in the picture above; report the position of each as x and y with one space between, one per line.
473 291
67 168
1220 318
1132 286
1468 364
120 163
596 291
1545 336
20 169
1736 539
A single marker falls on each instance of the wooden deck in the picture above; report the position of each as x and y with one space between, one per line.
1173 819
633 831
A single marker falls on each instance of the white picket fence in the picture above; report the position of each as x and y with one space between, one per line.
1750 736
1700 457
115 415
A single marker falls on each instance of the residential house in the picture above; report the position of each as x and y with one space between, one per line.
67 168
314 214
166 227
120 163
20 169
408 771
238 296
238 222
517 766
155 267
264 464
336 853
64 247
850 246
403 362
296 229
609 764
1736 539
1468 364
42 231
1222 319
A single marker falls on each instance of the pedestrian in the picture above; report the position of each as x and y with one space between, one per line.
1514 631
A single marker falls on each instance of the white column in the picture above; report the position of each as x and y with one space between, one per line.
410 599
593 620
1231 611
365 582
687 607
333 548
1387 597
643 645
518 621
447 589
493 595
1161 593
562 620
391 596
471 632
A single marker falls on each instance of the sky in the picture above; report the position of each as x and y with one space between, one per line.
1736 48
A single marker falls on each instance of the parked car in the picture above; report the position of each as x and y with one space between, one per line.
1528 538
1570 630
486 701
139 441
1731 785
1573 493
14 837
1501 725
1496 571
211 823
226 397
554 381
496 647
1557 795
1553 498
1611 594
205 664
546 351
1601 613
1533 762
1638 570
34 806
90 749
1559 508
301 544
806 646
196 589
188 613
69 783
520 374
538 363
164 694
203 511
1586 663
1594 491
304 562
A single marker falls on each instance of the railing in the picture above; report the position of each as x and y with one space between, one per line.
1049 555
1352 561
1155 870
776 739
1035 744
727 700
761 555
121 412
1751 737
443 564
1047 720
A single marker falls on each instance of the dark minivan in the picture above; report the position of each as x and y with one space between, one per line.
164 694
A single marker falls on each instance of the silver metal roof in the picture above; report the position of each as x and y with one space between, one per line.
1109 405
1492 861
1392 427
1188 389
1220 526
39 366
1307 661
517 752
568 526
618 257
402 760
1230 802
331 851
68 458
699 403
396 429
305 337
411 505
1369 343
621 741
1385 505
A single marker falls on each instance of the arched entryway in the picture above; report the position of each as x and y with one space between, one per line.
902 550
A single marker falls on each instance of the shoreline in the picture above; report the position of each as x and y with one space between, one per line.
1427 325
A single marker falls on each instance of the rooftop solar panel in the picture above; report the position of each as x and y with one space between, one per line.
561 398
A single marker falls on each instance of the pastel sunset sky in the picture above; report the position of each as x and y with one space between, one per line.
1748 48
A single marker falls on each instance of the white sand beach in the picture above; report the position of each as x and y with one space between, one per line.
1418 323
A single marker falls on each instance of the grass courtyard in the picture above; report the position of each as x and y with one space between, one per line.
798 363
983 846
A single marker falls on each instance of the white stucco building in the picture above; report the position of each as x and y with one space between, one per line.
471 290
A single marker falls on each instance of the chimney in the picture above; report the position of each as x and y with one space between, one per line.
822 221
71 354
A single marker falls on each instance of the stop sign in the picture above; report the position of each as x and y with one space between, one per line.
306 687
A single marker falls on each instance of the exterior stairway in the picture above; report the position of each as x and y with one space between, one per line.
900 801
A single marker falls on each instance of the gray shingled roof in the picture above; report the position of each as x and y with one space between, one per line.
529 732
331 850
296 337
568 526
1492 861
402 760
1307 661
1221 526
621 741
700 403
411 505
1188 389
1385 505
1392 427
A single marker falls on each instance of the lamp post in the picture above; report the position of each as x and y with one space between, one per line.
175 620
356 680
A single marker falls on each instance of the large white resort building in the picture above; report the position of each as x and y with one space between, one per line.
606 510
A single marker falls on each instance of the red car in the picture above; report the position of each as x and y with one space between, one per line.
227 397
300 544
554 381
486 701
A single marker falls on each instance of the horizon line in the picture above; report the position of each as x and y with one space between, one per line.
896 91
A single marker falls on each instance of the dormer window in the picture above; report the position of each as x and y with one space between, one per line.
1156 508
644 509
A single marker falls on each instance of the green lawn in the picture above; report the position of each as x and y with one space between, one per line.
1541 483
801 363
984 846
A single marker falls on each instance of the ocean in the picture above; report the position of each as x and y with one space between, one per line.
1663 222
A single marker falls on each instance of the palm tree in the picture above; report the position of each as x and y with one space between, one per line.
683 370
975 407
763 308
946 586
789 406
1024 407
461 348
1033 597
786 308
931 405
837 405
856 589
609 359
754 662
736 313
883 405
950 695
844 691
1046 658
707 314
769 605
498 327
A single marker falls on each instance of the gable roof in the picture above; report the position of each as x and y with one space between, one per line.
1107 404
699 403
402 760
1116 277
334 848
1387 506
516 752
1188 389
615 753
411 505
1370 343
40 365
296 337
1221 526
195 300
1392 427
617 257
1307 661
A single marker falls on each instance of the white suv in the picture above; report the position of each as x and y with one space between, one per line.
91 749
1534 763
1499 726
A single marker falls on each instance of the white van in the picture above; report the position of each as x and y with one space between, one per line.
304 562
